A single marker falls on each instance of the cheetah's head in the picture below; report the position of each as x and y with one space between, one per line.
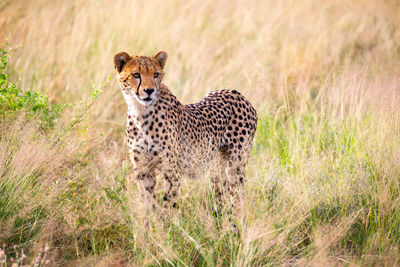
140 77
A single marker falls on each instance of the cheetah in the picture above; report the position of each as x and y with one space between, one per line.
172 140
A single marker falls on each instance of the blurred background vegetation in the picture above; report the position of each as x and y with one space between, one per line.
323 183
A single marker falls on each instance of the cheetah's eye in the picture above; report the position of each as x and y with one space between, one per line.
156 74
136 75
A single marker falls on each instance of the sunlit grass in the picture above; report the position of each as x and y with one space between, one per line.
322 184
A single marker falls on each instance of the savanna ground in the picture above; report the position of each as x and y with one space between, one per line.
322 184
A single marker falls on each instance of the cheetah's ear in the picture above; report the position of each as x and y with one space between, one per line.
120 60
161 58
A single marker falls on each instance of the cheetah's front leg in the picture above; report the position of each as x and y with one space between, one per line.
146 183
171 188
145 178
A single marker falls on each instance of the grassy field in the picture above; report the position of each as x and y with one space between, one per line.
323 182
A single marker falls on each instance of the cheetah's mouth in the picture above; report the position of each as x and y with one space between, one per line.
147 99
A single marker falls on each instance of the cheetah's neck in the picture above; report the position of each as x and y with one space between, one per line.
138 114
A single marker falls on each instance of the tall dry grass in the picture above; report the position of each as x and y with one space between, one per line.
322 184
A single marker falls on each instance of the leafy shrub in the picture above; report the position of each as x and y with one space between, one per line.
14 100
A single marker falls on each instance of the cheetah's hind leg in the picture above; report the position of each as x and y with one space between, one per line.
216 174
235 165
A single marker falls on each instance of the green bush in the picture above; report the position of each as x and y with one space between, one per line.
14 100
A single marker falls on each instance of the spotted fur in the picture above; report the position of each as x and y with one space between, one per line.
175 140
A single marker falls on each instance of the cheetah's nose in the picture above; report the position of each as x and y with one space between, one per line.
149 91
